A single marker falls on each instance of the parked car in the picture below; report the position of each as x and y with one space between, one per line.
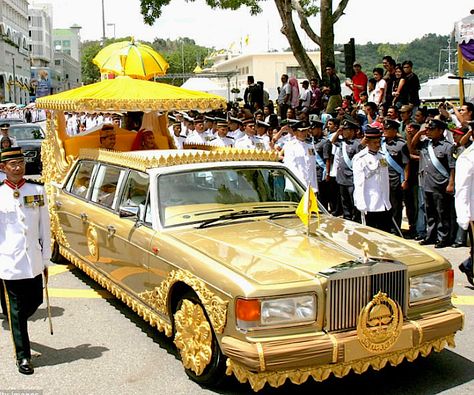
29 137
206 246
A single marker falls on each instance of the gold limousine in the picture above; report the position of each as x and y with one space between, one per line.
206 247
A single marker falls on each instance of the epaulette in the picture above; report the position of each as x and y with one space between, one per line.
34 182
229 137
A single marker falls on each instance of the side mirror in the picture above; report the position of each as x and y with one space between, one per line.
131 212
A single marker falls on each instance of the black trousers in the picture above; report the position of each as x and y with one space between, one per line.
379 219
324 193
438 219
3 304
396 200
410 199
347 199
23 297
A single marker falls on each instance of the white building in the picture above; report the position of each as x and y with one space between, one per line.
68 41
266 67
14 51
41 40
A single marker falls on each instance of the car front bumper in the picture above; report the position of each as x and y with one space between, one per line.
321 354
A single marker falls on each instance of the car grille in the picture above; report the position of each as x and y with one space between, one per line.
352 286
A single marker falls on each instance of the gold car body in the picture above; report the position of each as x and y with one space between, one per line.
355 279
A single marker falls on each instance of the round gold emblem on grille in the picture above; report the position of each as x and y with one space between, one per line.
92 243
380 324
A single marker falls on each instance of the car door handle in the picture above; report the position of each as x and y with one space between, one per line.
84 217
58 204
110 230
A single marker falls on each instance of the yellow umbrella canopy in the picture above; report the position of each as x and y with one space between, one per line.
136 60
128 94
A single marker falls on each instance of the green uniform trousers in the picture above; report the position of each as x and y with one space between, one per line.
23 297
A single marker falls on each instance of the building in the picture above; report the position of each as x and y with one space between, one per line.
68 69
14 51
41 39
266 67
68 41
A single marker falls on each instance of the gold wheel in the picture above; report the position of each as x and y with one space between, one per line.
193 336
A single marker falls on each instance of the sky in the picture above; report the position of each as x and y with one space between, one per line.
391 21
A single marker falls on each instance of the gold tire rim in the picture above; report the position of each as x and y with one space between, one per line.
193 337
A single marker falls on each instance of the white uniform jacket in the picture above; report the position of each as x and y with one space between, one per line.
197 138
371 182
300 158
464 185
25 237
222 142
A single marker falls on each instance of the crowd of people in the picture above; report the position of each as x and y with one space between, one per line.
27 114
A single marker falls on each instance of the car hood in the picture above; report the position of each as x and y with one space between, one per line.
279 251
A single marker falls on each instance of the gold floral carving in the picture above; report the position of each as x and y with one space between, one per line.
319 373
145 161
380 324
193 337
135 304
92 243
57 232
216 308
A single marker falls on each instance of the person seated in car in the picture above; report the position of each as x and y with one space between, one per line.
6 142
144 140
107 194
107 136
4 128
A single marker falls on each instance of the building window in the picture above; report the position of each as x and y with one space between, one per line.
57 62
67 43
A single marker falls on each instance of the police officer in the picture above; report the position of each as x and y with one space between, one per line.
25 250
234 128
437 180
322 154
346 149
261 127
299 156
464 201
249 140
175 129
198 136
397 156
371 183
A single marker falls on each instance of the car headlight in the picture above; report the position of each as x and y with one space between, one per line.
431 286
292 310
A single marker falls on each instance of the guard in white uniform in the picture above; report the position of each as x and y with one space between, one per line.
25 249
175 129
299 156
198 136
464 202
249 140
4 127
222 140
234 128
371 183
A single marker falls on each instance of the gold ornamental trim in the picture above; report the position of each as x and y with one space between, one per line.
57 231
216 308
261 356
380 324
144 162
193 337
136 305
92 242
257 380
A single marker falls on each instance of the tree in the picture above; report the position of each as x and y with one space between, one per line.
304 9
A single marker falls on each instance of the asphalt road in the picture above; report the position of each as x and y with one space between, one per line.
100 346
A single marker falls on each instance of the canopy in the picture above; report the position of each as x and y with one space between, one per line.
136 60
200 84
445 87
127 94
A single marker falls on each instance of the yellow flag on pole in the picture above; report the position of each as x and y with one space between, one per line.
307 205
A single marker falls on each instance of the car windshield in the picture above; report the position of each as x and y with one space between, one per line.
200 195
26 132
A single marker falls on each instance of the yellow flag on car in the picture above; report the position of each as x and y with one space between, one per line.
307 205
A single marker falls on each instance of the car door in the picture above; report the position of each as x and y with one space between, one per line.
125 244
73 208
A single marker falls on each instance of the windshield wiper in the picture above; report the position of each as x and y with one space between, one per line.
281 214
235 215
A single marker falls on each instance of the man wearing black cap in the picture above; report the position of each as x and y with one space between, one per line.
4 127
298 155
346 149
464 202
396 154
249 140
322 154
178 138
222 140
261 128
198 136
234 128
437 180
25 250
371 183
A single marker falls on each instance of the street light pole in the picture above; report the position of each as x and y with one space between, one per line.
112 24
103 23
14 80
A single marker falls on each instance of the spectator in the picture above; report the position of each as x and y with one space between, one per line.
358 82
284 96
253 95
412 85
399 92
389 65
295 93
380 87
315 105
332 88
305 97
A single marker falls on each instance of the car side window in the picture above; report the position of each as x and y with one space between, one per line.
135 190
106 185
79 184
